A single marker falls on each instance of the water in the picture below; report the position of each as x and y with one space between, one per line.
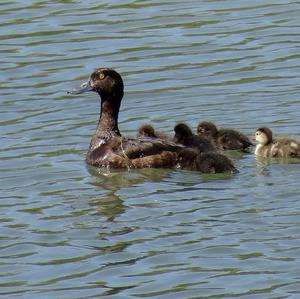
68 231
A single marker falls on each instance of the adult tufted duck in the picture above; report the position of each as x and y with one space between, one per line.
108 148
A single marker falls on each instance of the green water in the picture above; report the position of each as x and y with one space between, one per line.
69 231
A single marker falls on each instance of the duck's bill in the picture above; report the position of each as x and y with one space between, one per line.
252 139
86 86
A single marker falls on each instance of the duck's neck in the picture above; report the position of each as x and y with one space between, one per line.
108 122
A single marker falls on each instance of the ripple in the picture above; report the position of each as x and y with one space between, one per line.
70 231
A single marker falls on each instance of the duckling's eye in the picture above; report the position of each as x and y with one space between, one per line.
101 76
257 133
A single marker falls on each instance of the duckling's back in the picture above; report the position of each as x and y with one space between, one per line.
233 140
288 147
279 148
213 162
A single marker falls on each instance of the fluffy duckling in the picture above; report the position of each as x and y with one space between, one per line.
185 136
207 162
269 147
147 130
108 148
225 139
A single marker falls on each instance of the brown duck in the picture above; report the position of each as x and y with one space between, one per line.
147 130
108 148
225 139
206 162
185 136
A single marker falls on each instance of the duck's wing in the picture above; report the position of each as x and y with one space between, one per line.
141 147
289 147
213 162
234 139
120 152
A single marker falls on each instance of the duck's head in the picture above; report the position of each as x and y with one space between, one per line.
106 82
147 131
182 133
207 128
186 157
264 135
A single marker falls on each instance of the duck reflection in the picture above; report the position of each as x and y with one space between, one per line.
266 161
110 204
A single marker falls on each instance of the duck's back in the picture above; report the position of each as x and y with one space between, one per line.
203 144
213 162
288 147
146 146
230 139
120 152
279 148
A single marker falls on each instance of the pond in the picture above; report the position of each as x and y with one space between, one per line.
70 231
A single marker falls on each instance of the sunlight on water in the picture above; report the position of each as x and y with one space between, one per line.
71 231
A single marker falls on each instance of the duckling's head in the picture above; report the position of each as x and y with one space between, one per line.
186 157
147 131
207 128
182 133
264 135
106 82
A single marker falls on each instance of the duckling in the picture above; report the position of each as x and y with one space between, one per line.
185 136
226 139
269 147
147 130
207 162
107 147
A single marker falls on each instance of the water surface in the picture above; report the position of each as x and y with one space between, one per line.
69 231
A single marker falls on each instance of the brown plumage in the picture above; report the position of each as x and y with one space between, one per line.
147 130
269 147
207 162
185 136
225 139
108 148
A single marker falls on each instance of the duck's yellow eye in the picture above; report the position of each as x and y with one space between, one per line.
101 76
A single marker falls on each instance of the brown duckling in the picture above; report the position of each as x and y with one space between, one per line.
207 162
185 136
107 147
269 147
225 139
147 130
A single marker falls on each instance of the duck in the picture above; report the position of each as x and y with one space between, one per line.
225 139
147 130
108 148
278 148
205 162
185 136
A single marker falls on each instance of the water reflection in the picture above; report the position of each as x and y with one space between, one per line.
116 179
71 232
266 161
111 205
